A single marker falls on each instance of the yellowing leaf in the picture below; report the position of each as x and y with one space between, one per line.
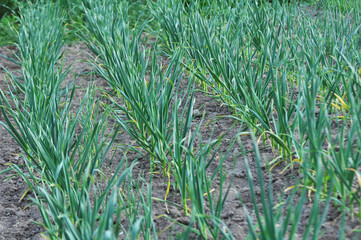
357 175
289 188
343 103
168 187
43 236
274 165
336 106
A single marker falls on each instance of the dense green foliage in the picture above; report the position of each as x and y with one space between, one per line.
290 73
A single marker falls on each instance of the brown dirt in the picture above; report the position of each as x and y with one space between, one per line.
17 217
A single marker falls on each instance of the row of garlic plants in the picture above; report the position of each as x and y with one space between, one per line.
292 77
148 103
64 148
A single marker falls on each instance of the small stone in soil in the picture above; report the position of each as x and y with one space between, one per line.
184 220
227 214
174 212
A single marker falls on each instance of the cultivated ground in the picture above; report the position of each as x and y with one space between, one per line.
288 74
18 216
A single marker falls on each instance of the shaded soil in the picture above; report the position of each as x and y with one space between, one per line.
17 216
